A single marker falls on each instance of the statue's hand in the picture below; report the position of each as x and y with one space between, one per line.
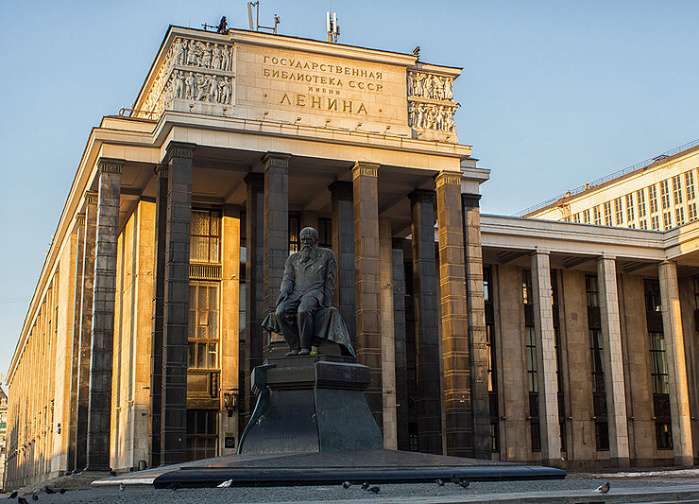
280 299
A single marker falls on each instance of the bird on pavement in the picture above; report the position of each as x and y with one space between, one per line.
122 487
22 500
35 496
62 491
226 484
439 481
49 490
375 489
13 495
365 485
346 484
603 488
458 481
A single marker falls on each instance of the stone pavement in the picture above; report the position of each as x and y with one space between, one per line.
578 488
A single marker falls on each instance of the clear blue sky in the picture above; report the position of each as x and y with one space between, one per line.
554 93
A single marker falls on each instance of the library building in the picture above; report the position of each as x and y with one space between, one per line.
565 336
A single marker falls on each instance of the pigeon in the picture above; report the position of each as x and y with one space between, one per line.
122 487
62 491
35 496
375 489
49 490
439 481
112 473
13 495
346 484
22 500
458 481
225 484
365 485
603 488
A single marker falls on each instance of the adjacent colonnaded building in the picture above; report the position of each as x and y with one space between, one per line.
497 337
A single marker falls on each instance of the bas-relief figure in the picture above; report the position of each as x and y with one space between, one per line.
304 314
431 116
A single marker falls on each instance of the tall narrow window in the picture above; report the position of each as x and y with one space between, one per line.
492 361
641 202
203 325
607 213
599 397
655 223
667 220
576 218
665 194
586 216
629 208
532 368
294 230
618 212
597 215
202 434
205 244
689 184
653 198
677 189
679 215
692 211
325 233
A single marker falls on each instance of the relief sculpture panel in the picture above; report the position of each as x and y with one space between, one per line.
431 106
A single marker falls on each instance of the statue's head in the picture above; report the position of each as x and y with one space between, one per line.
308 236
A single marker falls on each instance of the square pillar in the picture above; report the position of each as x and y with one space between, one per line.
85 325
458 407
476 327
676 363
276 226
343 246
104 296
367 270
613 362
546 359
429 400
254 293
79 231
176 303
156 383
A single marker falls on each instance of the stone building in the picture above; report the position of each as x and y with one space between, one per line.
486 336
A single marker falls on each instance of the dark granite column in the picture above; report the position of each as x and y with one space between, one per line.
429 404
343 246
254 293
104 296
79 231
399 341
83 386
276 227
366 257
458 410
476 329
176 302
156 381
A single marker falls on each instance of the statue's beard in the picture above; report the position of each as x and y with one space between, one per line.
308 252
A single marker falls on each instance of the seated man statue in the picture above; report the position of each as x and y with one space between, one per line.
304 311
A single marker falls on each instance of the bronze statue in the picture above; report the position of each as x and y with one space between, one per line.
304 312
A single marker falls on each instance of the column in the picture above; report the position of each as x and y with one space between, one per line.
365 195
104 295
388 352
276 226
399 327
254 294
429 399
458 408
546 359
83 385
674 346
613 362
79 230
156 384
476 327
343 246
176 303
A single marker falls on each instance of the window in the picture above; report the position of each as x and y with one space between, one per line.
667 220
294 230
530 351
203 324
677 189
325 233
205 245
679 216
607 213
692 211
592 290
618 212
643 224
641 202
665 194
576 218
492 362
527 287
202 434
597 215
661 392
629 207
696 293
689 184
599 396
655 222
586 216
653 198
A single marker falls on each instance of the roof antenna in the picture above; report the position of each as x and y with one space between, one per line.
333 27
255 26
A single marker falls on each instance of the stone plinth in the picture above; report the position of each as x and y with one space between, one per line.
310 404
